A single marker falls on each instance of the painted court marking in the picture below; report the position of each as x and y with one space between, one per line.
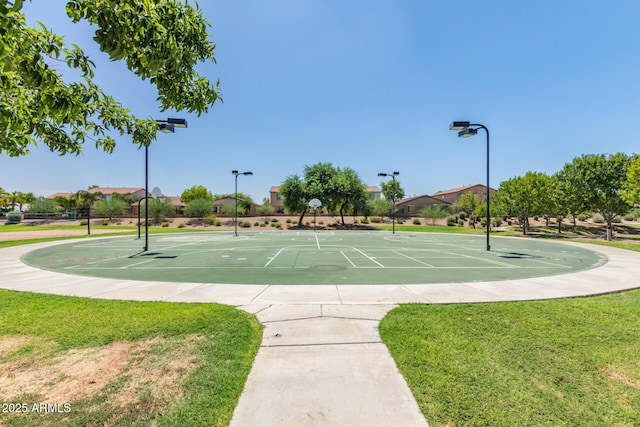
314 258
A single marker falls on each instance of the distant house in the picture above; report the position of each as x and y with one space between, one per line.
451 196
108 192
411 206
276 199
54 195
219 203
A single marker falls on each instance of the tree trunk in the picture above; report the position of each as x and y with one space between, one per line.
300 219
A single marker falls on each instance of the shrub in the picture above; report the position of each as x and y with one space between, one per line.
629 217
262 224
165 224
416 221
105 222
83 222
218 223
181 225
364 221
244 224
496 222
617 219
376 219
257 223
400 221
14 217
462 215
461 222
274 219
583 217
451 220
597 219
211 219
288 220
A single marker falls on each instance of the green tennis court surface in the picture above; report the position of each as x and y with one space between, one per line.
307 257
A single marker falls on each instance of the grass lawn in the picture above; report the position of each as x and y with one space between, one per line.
568 362
173 364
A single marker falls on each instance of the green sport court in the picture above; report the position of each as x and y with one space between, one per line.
307 258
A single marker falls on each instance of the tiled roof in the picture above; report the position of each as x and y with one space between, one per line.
112 190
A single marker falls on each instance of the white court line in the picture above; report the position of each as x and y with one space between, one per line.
274 257
369 257
317 241
412 258
137 263
350 262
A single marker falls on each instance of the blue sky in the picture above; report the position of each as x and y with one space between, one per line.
373 85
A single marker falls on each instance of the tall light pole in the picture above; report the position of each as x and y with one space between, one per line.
466 130
164 126
236 173
393 199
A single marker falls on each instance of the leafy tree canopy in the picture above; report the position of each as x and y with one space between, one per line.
392 190
196 192
160 40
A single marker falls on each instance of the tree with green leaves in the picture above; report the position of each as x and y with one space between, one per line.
392 190
600 179
159 209
522 197
161 41
196 192
631 188
42 205
295 202
265 209
111 208
468 202
350 194
66 203
198 208
381 207
433 213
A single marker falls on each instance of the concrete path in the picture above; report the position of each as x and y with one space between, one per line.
322 362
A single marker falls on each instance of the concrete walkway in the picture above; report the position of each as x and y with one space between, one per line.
322 362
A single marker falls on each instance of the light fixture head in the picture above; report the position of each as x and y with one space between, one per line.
178 123
459 125
247 173
466 133
382 174
395 174
235 173
166 128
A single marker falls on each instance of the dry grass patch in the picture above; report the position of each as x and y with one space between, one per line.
150 372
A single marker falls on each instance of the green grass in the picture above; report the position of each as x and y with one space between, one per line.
54 324
567 362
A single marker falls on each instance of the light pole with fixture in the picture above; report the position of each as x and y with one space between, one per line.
393 199
466 130
164 126
236 173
